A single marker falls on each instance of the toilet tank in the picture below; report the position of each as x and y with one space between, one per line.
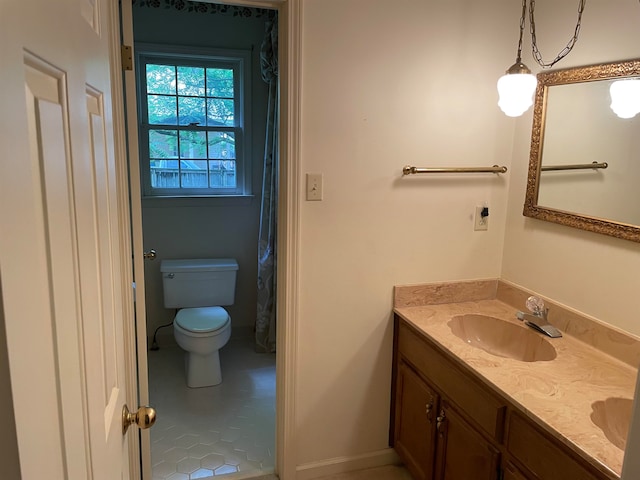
199 283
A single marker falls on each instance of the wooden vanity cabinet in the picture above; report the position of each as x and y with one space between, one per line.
446 424
415 422
435 437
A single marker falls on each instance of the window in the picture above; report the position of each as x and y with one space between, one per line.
193 116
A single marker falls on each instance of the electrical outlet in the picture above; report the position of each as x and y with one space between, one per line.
314 186
481 222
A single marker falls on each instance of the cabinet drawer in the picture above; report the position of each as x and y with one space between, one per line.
540 454
481 406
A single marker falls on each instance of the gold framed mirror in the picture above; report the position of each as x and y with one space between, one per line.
584 163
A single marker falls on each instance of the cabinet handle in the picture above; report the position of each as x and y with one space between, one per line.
429 408
440 421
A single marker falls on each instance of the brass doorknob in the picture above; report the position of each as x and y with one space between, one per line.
145 417
150 255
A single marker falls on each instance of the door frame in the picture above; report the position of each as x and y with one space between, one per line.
124 216
290 36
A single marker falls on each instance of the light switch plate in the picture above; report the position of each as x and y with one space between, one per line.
314 186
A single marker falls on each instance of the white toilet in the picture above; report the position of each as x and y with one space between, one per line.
199 288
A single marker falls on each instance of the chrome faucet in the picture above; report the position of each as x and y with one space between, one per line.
537 319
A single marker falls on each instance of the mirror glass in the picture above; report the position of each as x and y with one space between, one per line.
584 164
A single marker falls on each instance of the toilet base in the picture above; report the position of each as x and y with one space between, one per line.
202 370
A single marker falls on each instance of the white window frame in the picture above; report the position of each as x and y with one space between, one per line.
240 62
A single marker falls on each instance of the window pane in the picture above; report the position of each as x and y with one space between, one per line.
164 174
163 144
193 145
222 145
191 81
220 82
193 174
191 110
220 112
161 79
222 174
162 110
193 118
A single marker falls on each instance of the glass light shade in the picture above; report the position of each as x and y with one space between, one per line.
625 98
515 91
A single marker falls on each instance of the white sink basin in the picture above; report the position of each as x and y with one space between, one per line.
502 338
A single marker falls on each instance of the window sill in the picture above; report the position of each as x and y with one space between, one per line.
198 201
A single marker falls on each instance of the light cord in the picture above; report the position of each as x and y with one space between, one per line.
522 19
565 51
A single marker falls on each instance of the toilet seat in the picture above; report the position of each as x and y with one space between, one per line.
202 320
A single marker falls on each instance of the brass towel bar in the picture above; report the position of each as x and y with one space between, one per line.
409 170
581 166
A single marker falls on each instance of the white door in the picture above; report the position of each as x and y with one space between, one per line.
61 245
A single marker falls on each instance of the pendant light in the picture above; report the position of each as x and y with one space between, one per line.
517 86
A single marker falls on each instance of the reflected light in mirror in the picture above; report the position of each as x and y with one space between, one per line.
625 98
515 92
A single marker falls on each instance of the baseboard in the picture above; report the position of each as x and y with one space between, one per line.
333 466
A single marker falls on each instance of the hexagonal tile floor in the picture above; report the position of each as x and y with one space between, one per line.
208 432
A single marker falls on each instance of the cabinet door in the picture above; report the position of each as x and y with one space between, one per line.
462 452
415 422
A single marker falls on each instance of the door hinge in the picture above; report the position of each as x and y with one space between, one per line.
127 57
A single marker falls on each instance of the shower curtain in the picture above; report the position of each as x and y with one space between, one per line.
265 328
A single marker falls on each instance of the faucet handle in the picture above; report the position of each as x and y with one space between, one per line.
535 305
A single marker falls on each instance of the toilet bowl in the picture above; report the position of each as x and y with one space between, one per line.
201 333
198 289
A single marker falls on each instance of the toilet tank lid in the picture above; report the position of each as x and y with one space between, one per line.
199 265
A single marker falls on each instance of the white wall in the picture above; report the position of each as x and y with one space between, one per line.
592 273
387 84
207 228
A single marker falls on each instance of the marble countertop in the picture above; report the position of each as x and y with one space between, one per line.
558 395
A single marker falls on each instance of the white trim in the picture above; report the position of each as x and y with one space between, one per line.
132 443
337 465
141 468
290 24
162 201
